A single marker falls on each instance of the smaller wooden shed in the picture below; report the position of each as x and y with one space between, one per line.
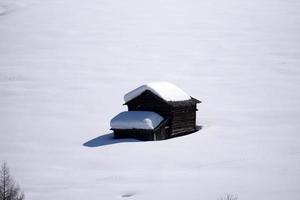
141 125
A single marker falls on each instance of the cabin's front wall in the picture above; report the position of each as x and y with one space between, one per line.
148 101
140 134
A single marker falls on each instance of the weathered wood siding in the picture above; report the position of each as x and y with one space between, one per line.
147 101
139 134
183 120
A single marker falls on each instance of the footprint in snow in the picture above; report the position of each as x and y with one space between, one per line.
4 10
127 195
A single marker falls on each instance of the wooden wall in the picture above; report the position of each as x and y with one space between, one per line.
183 120
147 101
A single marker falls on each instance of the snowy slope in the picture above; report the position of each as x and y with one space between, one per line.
65 66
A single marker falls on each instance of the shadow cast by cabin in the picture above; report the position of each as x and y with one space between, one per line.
107 139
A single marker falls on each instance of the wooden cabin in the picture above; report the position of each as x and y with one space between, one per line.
177 109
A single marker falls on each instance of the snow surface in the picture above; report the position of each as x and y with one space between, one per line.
66 64
136 119
165 90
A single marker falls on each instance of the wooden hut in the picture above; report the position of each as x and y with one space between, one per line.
177 109
141 125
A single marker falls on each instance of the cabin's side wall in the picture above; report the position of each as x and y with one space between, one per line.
183 119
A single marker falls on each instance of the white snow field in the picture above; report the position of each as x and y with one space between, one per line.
66 64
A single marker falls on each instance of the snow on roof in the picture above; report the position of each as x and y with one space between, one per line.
164 90
136 119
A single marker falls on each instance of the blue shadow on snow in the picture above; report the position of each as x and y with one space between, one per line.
107 139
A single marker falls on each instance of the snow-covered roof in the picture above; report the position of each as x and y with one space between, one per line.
136 120
164 90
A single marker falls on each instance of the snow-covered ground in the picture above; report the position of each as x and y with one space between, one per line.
66 64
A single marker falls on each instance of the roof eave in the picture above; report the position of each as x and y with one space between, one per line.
168 102
196 100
